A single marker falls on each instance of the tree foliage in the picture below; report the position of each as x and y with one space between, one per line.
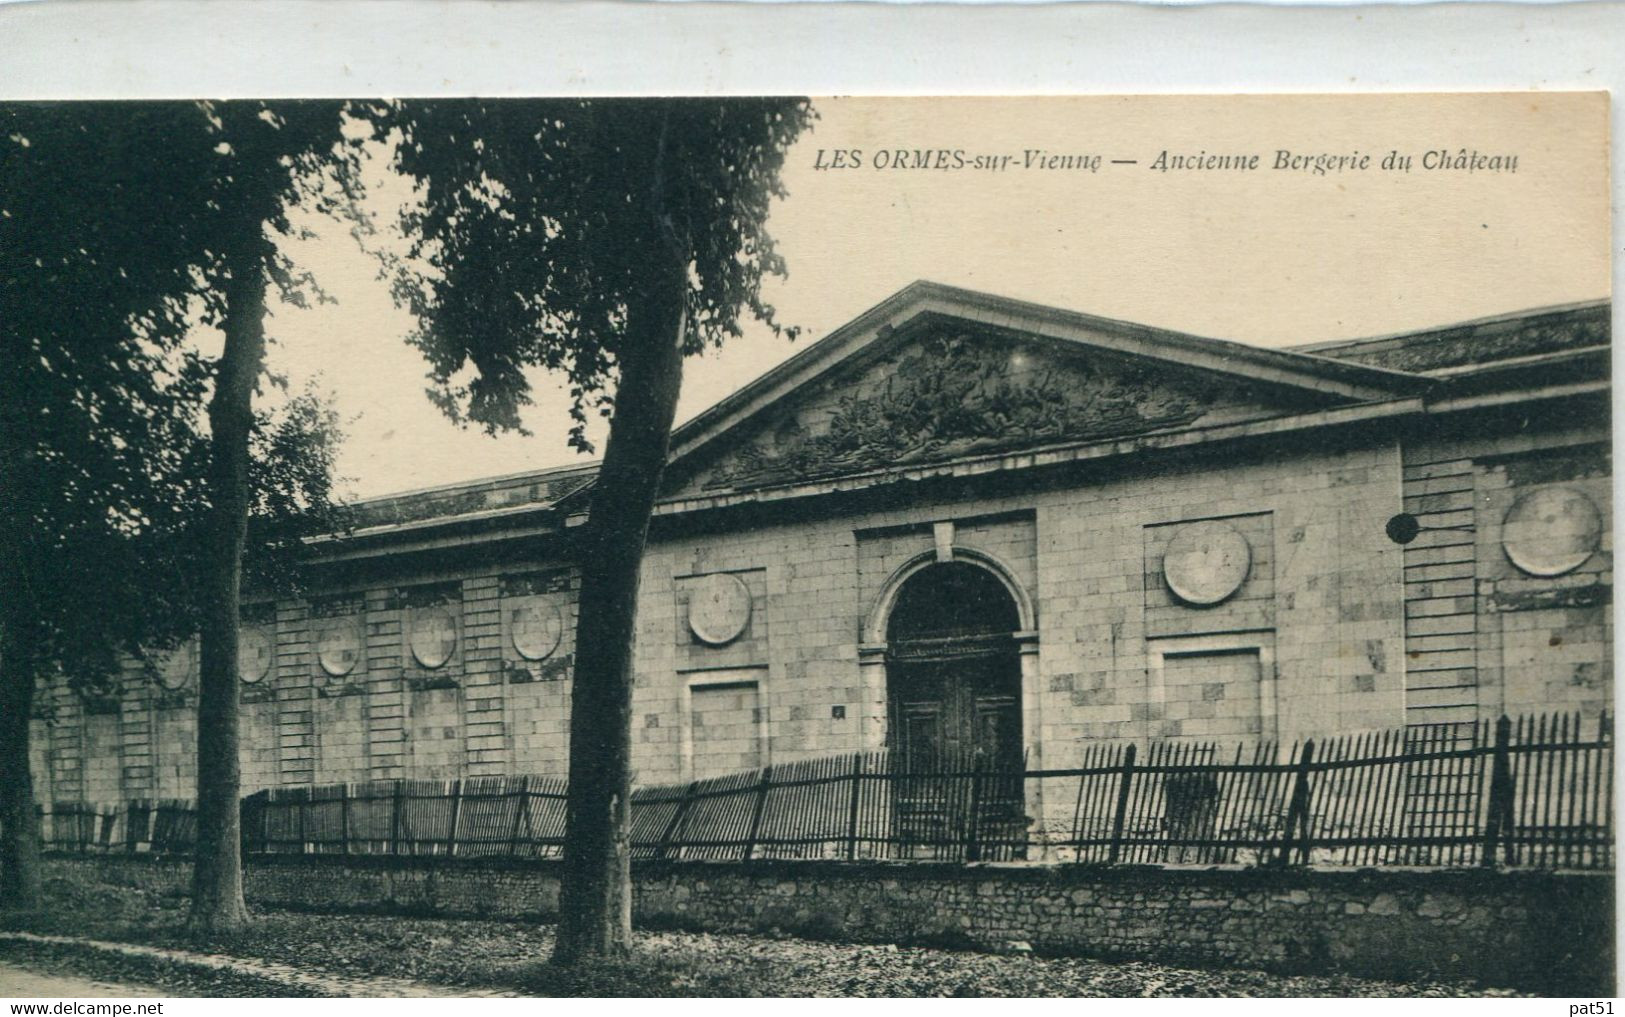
539 222
275 157
115 222
97 431
112 220
604 239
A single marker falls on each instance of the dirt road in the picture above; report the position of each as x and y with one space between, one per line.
25 983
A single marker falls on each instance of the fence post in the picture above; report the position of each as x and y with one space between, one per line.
852 813
676 818
344 815
1297 810
519 815
1125 779
1498 823
395 820
456 814
756 813
973 843
250 816
304 807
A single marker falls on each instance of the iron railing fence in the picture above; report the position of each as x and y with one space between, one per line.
1537 792
161 826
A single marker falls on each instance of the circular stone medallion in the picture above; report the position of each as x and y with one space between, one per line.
253 654
719 609
434 637
339 650
537 629
1206 562
175 668
1551 531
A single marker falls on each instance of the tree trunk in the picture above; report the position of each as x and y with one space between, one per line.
20 880
595 898
217 876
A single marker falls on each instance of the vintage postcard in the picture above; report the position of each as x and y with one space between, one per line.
838 546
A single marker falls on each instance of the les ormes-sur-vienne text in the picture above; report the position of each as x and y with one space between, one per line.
1450 160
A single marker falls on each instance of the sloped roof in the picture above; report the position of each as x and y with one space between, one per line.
480 499
1483 341
1351 380
1349 371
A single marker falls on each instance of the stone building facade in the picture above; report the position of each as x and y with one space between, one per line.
962 522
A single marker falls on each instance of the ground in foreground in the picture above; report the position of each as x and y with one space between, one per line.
31 983
502 954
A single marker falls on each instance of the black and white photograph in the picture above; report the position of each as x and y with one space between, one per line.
836 546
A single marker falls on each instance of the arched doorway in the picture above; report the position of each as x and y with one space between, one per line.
953 685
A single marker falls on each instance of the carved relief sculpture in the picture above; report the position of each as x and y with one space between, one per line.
433 637
1206 562
339 649
953 396
719 609
253 654
537 629
1551 531
176 668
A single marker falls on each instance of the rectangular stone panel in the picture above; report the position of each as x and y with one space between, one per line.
725 728
1249 607
748 647
1213 694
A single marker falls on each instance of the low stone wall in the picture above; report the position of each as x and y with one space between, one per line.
1552 932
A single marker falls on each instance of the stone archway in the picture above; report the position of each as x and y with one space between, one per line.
953 673
873 651
875 658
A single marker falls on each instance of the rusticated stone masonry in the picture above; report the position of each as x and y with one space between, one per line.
1548 932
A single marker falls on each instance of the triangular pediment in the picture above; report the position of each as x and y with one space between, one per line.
929 382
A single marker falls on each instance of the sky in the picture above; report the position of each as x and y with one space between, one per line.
1275 255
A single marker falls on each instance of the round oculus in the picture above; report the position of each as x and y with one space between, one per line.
1551 531
537 629
719 609
1403 528
434 637
1206 562
339 650
253 654
175 668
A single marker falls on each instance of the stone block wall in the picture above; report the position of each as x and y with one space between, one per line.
296 734
725 729
1528 929
384 715
1313 641
1484 636
1333 628
798 655
1545 641
539 608
1546 932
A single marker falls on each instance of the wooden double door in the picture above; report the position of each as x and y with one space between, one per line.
957 750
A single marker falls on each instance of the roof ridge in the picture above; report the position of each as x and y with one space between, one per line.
496 481
922 290
1318 347
1307 357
